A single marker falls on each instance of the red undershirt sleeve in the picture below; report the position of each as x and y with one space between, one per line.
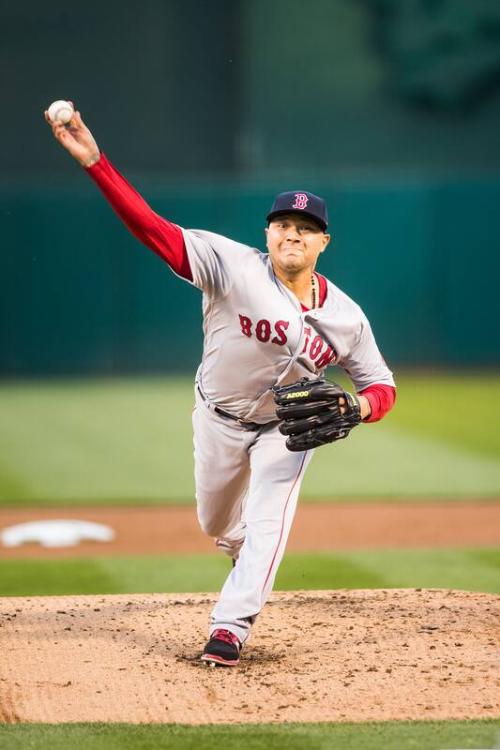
381 398
161 236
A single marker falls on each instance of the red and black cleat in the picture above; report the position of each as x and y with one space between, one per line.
223 649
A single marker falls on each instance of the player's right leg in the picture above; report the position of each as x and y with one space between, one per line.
222 474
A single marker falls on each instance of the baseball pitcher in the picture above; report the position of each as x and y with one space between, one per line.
272 324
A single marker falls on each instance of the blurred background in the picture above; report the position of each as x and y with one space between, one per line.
390 109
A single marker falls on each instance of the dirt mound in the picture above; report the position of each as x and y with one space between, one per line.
314 656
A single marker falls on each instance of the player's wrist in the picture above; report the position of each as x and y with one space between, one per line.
89 162
365 407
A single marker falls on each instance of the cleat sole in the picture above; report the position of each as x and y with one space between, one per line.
217 661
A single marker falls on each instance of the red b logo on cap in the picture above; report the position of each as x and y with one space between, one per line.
301 200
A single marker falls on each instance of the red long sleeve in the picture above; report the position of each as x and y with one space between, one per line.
161 236
381 398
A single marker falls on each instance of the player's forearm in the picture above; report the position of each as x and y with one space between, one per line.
161 236
380 398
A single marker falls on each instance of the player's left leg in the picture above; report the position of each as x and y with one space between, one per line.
275 478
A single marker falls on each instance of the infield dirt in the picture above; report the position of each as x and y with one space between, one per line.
317 526
322 656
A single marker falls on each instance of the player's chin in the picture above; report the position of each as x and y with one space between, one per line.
293 261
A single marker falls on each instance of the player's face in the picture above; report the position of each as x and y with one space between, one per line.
294 243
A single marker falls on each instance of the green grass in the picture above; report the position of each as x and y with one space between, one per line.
129 441
97 442
418 735
462 411
467 569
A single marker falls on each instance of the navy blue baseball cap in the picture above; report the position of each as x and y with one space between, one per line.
300 202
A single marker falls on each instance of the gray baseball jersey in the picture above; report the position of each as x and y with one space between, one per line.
256 335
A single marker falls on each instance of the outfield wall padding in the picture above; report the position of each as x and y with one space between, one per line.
80 295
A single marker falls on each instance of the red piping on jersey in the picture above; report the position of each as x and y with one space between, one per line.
283 522
161 236
381 398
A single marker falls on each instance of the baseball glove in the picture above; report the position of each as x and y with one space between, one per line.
310 413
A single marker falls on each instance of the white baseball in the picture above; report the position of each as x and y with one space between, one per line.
61 111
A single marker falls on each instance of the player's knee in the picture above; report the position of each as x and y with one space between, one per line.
211 524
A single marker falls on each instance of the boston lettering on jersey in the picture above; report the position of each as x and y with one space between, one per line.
263 330
314 346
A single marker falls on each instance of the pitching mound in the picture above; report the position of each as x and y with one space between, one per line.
314 656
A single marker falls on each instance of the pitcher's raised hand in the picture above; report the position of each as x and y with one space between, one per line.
76 138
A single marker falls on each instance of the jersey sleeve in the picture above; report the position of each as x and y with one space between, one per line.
161 236
215 261
364 363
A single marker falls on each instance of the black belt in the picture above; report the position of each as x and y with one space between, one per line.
246 425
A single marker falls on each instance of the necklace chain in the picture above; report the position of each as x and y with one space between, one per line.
313 291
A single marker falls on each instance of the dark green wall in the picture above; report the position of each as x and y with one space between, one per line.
80 295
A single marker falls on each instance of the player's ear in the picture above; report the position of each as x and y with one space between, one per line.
266 232
326 242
